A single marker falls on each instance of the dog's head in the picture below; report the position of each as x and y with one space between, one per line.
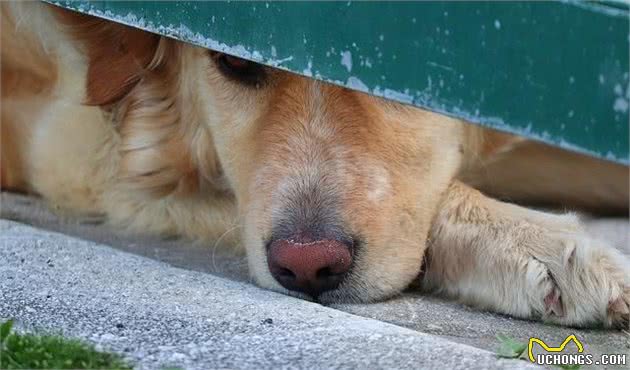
335 189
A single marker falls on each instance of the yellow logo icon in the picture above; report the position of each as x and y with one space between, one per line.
560 348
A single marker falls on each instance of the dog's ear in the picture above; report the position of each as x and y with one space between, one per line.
118 55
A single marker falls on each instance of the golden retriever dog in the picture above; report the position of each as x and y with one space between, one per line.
334 195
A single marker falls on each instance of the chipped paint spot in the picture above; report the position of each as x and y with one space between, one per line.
308 71
621 102
346 60
621 105
402 97
356 84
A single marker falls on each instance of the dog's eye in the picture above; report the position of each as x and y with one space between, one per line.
241 70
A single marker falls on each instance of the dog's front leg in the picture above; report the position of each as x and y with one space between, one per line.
525 263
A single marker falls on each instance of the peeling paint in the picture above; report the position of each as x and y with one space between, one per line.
346 60
308 71
621 105
442 80
621 102
184 33
395 95
356 84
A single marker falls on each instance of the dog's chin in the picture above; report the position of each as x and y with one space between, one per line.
345 294
353 294
341 296
337 296
300 295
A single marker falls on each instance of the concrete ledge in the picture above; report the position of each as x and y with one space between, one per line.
159 315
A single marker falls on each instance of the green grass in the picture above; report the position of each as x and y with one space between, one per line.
28 351
509 348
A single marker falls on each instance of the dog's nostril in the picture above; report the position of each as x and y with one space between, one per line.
328 273
312 267
286 273
324 273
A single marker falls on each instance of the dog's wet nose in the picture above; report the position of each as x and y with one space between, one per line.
312 267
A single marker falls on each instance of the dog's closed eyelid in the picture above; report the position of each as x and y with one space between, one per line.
239 70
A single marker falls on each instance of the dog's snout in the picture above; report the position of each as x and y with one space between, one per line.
312 267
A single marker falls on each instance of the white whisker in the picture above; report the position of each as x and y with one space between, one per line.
216 245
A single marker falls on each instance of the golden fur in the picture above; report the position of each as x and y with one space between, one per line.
105 119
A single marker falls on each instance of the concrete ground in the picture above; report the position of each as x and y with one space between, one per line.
169 302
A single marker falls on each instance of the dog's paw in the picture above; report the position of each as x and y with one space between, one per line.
579 281
618 313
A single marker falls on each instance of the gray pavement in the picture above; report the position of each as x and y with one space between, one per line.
164 302
159 315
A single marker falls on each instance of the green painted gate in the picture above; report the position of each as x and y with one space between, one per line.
551 71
